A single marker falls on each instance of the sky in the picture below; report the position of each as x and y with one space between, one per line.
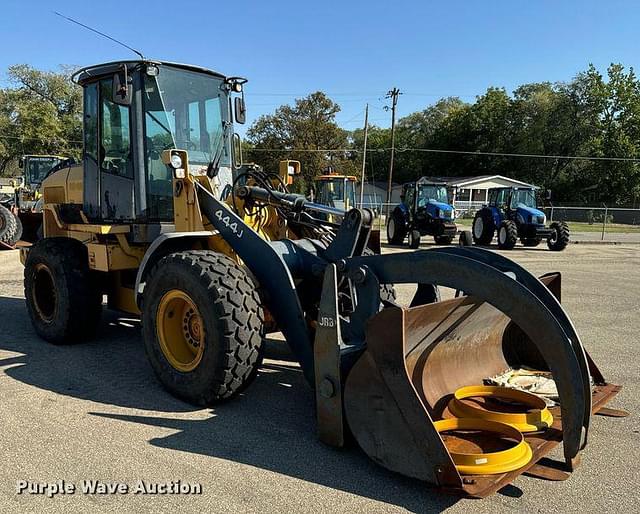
353 51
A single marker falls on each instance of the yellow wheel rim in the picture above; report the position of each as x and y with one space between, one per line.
180 330
489 463
536 418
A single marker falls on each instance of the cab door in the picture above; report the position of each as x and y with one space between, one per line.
108 156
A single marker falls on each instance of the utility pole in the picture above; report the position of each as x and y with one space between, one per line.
393 94
364 153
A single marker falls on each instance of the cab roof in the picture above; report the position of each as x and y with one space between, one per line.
95 71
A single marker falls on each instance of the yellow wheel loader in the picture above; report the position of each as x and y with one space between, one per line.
164 219
339 191
22 200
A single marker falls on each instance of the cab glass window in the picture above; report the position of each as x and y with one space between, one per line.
115 134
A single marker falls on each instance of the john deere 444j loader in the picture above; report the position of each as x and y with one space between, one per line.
164 219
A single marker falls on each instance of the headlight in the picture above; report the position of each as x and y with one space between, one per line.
176 161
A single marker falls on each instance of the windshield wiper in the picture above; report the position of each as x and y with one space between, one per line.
214 165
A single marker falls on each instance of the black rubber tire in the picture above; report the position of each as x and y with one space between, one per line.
532 242
466 238
511 235
414 239
19 231
62 294
488 228
560 239
425 294
443 240
231 311
397 231
8 226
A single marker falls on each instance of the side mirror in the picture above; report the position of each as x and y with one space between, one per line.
240 110
122 90
547 194
21 162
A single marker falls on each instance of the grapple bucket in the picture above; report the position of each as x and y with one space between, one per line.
416 358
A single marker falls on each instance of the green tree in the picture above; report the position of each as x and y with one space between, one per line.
40 113
301 132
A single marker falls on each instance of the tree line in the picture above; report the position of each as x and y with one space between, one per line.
593 115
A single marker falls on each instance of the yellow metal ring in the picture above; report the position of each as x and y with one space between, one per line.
487 463
538 417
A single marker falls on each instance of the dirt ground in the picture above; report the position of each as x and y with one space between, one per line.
95 411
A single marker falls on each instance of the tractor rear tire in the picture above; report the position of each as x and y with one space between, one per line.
62 294
483 228
414 239
203 326
396 230
559 240
507 235
8 226
532 242
466 238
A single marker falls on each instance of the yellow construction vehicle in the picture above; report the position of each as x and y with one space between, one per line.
164 218
21 199
339 191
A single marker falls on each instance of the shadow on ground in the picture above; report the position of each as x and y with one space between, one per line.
271 426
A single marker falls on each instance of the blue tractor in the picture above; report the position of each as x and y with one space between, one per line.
513 212
424 210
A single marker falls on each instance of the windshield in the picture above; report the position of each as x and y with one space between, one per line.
38 167
339 193
431 192
524 198
184 110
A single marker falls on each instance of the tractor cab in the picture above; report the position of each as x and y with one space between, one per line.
133 112
517 204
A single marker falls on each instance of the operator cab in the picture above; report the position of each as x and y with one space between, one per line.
133 110
336 191
37 167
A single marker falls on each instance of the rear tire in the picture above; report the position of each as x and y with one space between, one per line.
8 226
560 238
203 326
396 230
62 294
414 239
507 235
483 227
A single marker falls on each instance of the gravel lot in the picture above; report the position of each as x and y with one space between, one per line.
95 411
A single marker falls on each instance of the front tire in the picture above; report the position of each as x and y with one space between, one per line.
507 235
560 238
62 294
466 238
483 227
203 326
414 239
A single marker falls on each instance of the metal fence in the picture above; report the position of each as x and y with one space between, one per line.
587 223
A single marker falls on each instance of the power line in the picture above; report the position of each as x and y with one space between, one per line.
461 152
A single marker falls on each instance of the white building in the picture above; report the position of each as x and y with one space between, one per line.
473 192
